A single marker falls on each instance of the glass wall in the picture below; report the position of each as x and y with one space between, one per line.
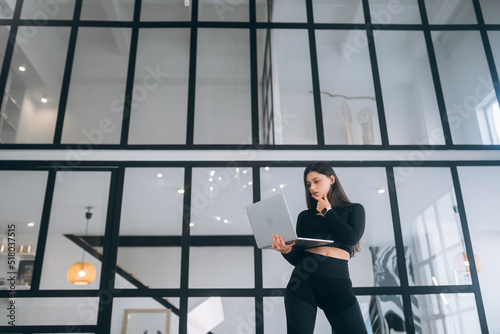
70 229
347 94
141 130
319 78
97 83
431 226
22 195
467 84
447 313
159 97
410 101
164 261
480 191
222 109
150 227
33 88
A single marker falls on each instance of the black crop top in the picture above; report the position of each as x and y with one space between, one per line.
344 225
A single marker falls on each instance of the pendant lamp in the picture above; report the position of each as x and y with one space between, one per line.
82 273
461 263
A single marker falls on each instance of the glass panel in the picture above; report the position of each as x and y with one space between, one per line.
4 36
160 93
363 185
219 198
383 314
288 181
136 315
95 99
29 107
221 315
210 10
223 108
42 10
7 131
151 218
347 95
103 10
431 226
338 11
368 186
446 313
152 201
286 99
74 192
494 37
7 11
281 11
409 97
490 111
148 266
72 311
480 192
165 10
450 12
221 267
393 12
21 202
466 83
276 271
490 8
275 317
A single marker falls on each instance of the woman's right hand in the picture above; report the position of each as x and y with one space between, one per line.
280 245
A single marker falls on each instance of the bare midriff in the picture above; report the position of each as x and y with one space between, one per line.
331 252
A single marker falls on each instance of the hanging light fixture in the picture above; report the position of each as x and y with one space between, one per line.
461 263
82 273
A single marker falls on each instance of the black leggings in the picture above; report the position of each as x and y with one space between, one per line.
322 281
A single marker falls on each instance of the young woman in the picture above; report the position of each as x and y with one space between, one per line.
321 275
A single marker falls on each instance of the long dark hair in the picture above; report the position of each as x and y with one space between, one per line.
336 195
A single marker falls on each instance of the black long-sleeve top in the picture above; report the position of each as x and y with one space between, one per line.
344 225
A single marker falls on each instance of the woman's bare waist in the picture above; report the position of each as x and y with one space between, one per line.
331 252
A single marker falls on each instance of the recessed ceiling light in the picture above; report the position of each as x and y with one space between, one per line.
212 172
218 218
282 186
31 224
44 100
381 191
267 168
181 191
22 68
159 175
250 183
226 221
274 189
191 224
245 171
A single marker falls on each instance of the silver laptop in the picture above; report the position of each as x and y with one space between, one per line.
270 216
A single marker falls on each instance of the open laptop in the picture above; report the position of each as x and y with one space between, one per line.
270 216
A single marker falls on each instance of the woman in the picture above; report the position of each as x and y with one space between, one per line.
321 275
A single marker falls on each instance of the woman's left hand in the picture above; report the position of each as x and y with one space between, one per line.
322 203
